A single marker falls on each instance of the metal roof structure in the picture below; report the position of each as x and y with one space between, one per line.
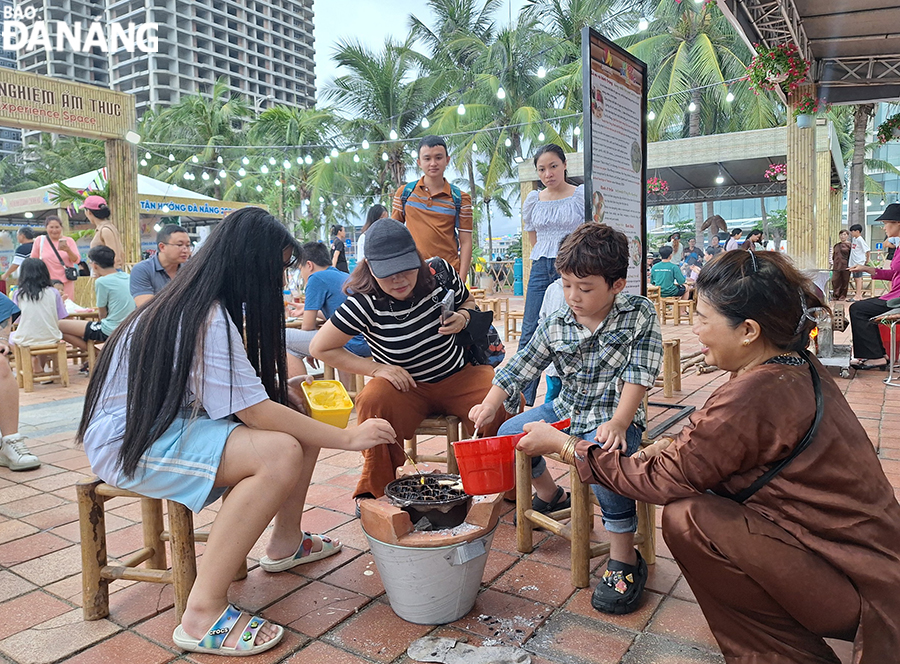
853 45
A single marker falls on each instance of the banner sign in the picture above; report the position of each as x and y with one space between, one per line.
614 94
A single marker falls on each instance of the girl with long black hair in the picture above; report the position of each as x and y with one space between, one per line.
159 419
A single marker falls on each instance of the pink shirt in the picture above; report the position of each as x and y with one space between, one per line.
42 249
892 274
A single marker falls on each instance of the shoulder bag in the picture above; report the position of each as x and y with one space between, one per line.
71 272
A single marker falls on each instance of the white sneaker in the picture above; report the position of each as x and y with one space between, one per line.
15 455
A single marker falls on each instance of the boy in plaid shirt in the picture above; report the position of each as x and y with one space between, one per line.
606 346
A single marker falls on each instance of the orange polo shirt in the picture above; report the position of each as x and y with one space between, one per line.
431 219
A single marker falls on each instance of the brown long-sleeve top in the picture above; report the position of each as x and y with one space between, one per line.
834 497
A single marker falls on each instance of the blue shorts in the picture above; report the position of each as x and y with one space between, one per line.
181 465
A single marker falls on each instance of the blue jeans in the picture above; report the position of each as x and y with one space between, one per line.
619 513
543 273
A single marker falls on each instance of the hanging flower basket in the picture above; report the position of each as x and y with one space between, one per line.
657 186
780 65
805 111
889 129
776 172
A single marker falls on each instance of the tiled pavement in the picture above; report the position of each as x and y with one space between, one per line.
335 610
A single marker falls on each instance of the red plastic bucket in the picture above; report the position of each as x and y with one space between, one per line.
885 331
488 465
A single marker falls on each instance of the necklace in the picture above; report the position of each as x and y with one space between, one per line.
785 358
399 315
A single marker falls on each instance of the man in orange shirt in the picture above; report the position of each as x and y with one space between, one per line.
439 218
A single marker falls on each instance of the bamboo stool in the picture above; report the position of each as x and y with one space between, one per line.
512 329
581 517
25 373
436 425
90 355
671 374
673 308
97 572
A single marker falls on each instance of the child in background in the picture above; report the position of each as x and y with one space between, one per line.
71 306
607 348
553 299
859 257
668 276
41 305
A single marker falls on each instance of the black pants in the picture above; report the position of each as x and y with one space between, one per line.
866 339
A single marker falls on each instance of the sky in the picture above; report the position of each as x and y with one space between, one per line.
369 22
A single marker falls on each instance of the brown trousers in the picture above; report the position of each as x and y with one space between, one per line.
767 598
840 280
455 395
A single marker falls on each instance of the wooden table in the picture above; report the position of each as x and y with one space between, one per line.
87 314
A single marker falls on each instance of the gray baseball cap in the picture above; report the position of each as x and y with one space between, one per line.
390 249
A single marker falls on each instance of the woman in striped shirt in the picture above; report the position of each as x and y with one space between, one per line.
417 367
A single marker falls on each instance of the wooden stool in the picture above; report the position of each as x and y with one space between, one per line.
671 374
581 517
436 425
25 373
511 328
89 355
673 308
97 573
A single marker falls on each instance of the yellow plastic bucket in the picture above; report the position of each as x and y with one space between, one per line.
328 402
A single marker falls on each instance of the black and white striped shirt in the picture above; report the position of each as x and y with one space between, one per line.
405 334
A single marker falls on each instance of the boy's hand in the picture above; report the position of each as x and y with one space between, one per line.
482 415
611 436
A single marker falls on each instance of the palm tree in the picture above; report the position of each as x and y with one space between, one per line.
695 56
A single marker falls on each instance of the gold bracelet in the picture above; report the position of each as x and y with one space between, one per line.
567 454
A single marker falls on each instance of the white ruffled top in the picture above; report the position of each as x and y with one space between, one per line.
552 220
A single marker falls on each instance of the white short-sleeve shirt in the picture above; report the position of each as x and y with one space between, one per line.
224 384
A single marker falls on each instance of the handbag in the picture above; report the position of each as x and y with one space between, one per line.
70 272
766 477
480 338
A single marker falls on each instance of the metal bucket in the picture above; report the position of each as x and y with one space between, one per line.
432 586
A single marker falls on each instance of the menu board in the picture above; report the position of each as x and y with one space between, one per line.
614 92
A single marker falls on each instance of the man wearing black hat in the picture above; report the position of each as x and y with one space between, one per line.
868 350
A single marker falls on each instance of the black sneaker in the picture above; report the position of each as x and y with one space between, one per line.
621 587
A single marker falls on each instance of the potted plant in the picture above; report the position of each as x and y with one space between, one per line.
779 65
889 129
657 186
776 172
805 111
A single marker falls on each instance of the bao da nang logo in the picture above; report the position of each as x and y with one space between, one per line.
21 32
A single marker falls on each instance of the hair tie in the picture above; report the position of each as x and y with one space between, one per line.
807 313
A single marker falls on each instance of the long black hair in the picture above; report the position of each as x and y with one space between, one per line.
557 151
375 213
164 336
34 277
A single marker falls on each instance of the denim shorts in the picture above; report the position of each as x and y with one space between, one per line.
619 513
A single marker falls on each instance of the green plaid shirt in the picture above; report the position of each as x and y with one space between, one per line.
625 348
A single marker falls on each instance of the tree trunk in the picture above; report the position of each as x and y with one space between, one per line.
694 130
710 211
487 211
764 217
473 192
856 211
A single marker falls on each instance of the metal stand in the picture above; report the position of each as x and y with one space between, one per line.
683 411
892 353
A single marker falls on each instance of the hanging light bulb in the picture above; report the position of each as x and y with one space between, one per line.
223 174
277 183
541 72
245 161
171 157
356 158
327 159
204 175
348 206
425 123
143 162
720 178
272 160
146 155
220 160
365 144
195 160
393 135
692 107
651 116
242 172
217 181
238 184
576 131
307 159
384 156
643 24
882 202
461 109
166 209
856 200
259 187
169 170
474 147
507 142
868 202
263 169
334 152
157 228
321 200
286 164
501 93
187 176
729 97
541 136
293 187
334 203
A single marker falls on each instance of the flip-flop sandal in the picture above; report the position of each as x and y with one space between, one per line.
863 365
212 642
303 555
